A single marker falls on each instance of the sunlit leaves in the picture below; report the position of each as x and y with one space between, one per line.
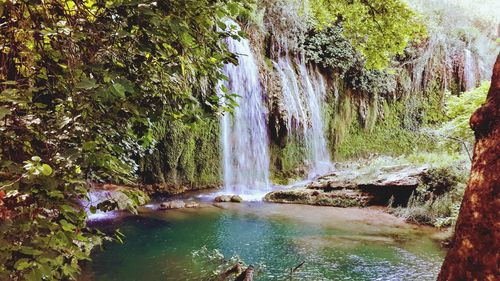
459 109
34 167
379 29
82 84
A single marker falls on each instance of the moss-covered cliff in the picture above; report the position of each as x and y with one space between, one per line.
185 156
365 112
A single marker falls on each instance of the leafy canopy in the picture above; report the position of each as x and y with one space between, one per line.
379 29
81 83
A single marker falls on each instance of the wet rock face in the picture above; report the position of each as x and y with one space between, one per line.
356 187
172 189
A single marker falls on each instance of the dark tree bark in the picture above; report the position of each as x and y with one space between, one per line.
475 254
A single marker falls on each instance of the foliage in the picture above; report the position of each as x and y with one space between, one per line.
439 181
459 109
437 200
285 20
379 29
441 211
354 138
81 84
330 49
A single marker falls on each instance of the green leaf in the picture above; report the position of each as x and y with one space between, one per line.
56 194
66 226
36 158
22 264
4 111
118 89
46 170
34 275
30 251
86 84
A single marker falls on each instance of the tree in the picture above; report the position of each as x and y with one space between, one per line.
81 83
474 254
379 29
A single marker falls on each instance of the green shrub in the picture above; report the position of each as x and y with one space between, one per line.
442 180
459 109
437 200
439 212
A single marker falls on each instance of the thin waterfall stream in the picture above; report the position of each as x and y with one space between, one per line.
469 70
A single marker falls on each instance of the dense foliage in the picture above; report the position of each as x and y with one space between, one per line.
330 49
459 109
81 84
379 29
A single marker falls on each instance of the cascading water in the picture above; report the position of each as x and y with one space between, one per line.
469 70
304 111
244 133
315 92
292 101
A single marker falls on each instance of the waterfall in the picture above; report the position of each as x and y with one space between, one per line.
302 103
315 92
469 70
244 132
292 101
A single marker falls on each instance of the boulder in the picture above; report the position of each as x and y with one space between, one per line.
236 199
223 198
175 204
192 204
229 198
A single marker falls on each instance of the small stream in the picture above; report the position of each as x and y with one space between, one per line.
335 243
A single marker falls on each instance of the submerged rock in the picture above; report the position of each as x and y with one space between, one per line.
175 204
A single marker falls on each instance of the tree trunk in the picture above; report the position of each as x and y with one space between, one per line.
475 252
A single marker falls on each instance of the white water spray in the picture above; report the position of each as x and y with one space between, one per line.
315 92
302 102
469 70
244 133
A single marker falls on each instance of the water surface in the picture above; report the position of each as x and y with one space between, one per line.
335 243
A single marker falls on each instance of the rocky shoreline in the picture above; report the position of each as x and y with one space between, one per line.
352 184
358 187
